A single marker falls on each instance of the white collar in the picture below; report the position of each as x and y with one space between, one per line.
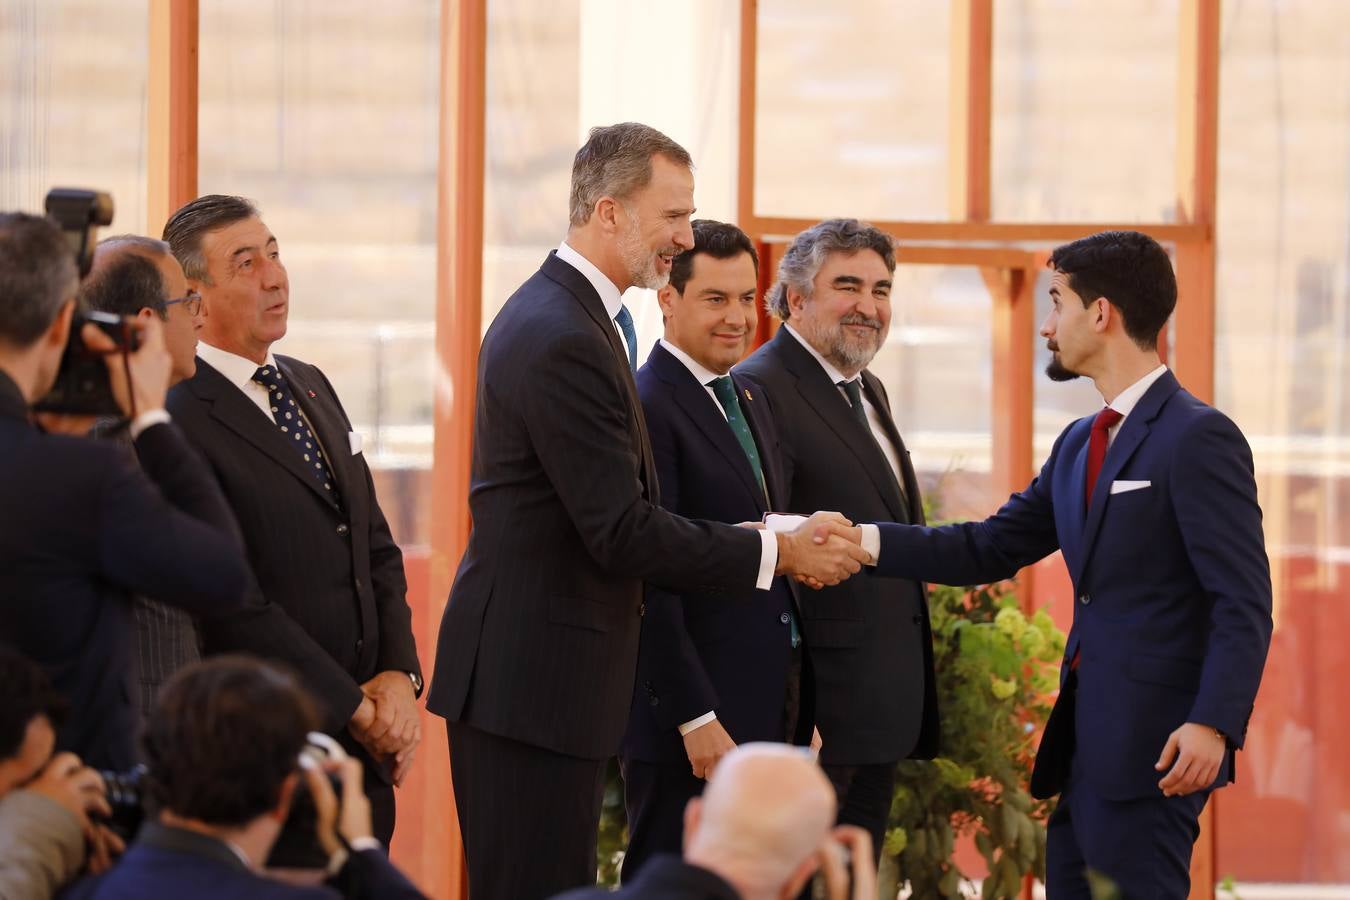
236 369
834 374
1127 399
608 291
700 372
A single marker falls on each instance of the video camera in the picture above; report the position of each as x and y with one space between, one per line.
82 386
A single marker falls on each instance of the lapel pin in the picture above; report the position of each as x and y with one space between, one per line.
312 395
748 398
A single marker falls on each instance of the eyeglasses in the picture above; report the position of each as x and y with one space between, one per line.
192 302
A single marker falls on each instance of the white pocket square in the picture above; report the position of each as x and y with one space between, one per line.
1124 487
354 438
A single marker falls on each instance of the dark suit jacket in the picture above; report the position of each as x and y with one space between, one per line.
173 862
730 656
870 641
539 640
1173 617
664 878
330 593
83 528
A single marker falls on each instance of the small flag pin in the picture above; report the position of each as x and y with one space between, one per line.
312 395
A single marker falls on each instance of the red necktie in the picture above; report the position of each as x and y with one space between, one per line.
1107 418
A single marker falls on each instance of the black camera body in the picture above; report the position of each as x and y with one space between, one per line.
297 846
126 799
82 386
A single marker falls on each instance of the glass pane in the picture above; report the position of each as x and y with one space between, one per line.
1281 371
851 116
327 119
72 102
1084 110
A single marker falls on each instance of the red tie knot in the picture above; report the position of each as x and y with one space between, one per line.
1106 419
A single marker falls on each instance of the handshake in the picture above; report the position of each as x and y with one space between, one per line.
824 550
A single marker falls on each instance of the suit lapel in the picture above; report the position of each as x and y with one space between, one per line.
576 283
822 396
235 411
326 423
876 394
1132 433
761 430
693 398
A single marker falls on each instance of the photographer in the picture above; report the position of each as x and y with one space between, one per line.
83 526
45 801
223 745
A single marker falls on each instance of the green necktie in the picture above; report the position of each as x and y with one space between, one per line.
725 392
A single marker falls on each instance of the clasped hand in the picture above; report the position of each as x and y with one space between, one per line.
387 722
824 550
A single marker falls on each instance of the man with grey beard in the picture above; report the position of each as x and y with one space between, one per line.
868 640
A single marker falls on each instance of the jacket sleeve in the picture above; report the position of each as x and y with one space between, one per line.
1214 493
165 530
41 846
1019 534
369 875
579 430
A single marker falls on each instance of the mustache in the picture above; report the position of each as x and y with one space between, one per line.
1052 346
860 319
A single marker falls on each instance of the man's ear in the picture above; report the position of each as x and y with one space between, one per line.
145 314
693 813
606 215
59 331
796 302
1105 313
666 298
285 797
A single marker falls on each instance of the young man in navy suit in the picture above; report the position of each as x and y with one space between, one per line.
1153 503
710 675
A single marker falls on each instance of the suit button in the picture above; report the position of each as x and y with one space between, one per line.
642 609
1085 599
918 619
655 700
358 584
343 529
785 618
360 645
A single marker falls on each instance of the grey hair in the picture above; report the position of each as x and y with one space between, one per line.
37 276
809 250
148 245
194 220
616 161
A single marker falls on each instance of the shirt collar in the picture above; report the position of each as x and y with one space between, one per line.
609 293
700 372
237 370
1126 401
831 372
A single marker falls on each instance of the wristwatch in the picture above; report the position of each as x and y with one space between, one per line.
417 683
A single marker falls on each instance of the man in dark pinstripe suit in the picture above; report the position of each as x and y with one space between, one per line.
538 646
138 276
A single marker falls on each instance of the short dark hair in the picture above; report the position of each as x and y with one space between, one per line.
37 276
1131 270
195 219
719 240
25 693
808 251
616 161
124 286
223 737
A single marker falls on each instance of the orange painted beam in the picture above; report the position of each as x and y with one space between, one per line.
171 115
779 228
969 112
745 136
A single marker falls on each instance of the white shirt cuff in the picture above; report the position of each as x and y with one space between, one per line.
871 541
148 418
365 843
702 720
768 559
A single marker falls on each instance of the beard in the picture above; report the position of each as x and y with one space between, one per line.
639 260
847 352
1055 370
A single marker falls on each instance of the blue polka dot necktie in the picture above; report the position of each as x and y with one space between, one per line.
625 320
294 428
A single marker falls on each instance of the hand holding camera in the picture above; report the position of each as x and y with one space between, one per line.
140 377
338 824
81 791
846 864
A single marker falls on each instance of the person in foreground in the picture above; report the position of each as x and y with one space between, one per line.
759 832
1153 502
223 748
538 646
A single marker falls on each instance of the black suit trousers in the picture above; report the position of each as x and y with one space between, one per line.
528 816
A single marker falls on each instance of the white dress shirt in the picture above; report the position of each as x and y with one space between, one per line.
239 371
1129 398
612 300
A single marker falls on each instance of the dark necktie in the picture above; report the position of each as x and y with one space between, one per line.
854 391
1107 418
625 320
293 426
725 392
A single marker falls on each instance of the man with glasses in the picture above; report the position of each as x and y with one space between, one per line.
137 276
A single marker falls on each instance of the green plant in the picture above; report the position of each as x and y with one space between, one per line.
995 670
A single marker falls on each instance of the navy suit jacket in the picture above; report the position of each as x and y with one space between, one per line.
172 862
730 656
82 527
1172 611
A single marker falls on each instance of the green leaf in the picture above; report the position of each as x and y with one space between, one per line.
895 842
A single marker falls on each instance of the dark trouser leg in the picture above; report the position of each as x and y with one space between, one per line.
528 815
864 798
655 796
381 796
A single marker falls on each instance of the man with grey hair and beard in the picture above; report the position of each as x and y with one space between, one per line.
868 640
538 646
